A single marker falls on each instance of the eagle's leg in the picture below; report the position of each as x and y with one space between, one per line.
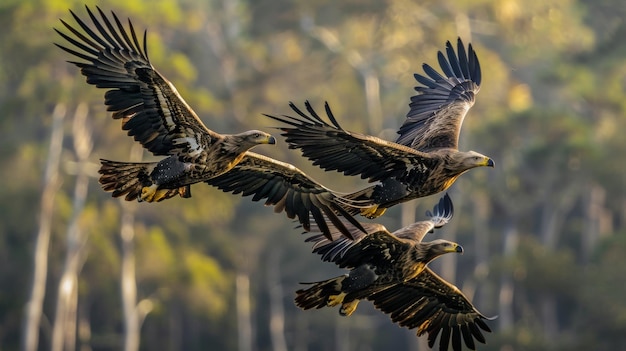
334 300
162 194
348 307
152 193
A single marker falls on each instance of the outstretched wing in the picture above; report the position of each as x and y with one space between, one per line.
333 248
149 106
333 148
374 246
375 240
287 188
437 111
433 306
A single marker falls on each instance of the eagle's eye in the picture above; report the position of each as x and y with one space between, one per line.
257 135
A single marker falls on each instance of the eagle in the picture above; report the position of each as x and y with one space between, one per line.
390 269
424 160
153 112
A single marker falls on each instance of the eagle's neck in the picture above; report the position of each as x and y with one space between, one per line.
235 145
416 260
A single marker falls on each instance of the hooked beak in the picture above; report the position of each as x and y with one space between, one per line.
490 163
270 140
454 248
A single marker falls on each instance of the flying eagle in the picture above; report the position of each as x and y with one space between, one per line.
153 112
390 269
425 158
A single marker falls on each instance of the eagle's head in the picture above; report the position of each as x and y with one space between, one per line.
428 251
257 137
242 142
247 140
471 159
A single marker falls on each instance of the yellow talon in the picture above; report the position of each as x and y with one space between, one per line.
148 193
334 300
373 212
163 194
348 307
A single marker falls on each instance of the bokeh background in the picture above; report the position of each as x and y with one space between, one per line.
543 232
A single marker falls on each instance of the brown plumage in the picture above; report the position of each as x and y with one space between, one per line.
288 189
390 269
153 112
425 158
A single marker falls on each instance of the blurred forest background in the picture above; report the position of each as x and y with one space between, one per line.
544 232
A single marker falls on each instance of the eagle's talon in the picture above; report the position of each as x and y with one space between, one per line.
348 307
148 193
334 300
373 212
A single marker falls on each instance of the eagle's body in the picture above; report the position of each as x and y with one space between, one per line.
390 269
423 161
171 175
435 173
153 112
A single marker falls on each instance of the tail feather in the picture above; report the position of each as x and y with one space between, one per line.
125 178
129 178
318 295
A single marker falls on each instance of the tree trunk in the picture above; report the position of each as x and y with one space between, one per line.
128 284
301 334
361 65
84 326
277 310
505 301
244 313
597 220
552 219
34 307
132 323
64 329
481 245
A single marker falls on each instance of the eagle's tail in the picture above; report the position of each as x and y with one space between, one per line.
321 294
131 178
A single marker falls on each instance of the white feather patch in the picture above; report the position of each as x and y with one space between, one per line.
194 148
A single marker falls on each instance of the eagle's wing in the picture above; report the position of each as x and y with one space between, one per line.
376 246
440 215
333 148
287 188
347 252
434 306
437 111
149 106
